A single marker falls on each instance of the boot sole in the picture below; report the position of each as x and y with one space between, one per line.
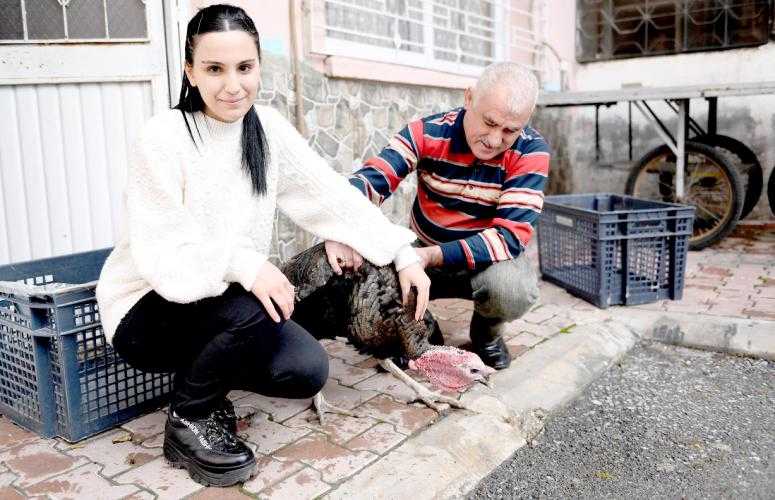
221 478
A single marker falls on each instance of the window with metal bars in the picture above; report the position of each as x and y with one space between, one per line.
460 36
72 21
613 29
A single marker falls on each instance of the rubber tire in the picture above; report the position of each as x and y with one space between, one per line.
753 179
731 172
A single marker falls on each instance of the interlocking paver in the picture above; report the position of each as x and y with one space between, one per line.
302 485
232 493
455 331
12 435
333 461
10 493
386 383
539 314
146 426
37 461
268 436
545 331
348 374
406 418
115 457
278 408
338 428
345 397
525 339
345 352
270 471
768 314
83 482
7 478
141 495
378 439
161 478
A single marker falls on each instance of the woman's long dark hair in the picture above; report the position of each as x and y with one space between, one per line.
255 151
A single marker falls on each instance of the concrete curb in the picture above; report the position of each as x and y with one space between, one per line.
448 459
755 338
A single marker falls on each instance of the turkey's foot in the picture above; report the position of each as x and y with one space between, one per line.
322 406
431 399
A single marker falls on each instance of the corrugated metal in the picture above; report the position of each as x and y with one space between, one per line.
63 155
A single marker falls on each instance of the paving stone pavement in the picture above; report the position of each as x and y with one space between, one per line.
297 458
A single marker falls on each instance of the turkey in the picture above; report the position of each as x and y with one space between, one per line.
365 305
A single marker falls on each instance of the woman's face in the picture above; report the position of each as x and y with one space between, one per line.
225 70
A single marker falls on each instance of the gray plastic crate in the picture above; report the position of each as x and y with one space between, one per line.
610 249
58 376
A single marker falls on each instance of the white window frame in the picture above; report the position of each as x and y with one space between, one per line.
327 46
64 4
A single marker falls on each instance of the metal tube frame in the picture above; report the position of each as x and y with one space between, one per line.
677 144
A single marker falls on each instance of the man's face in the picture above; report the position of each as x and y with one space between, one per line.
490 129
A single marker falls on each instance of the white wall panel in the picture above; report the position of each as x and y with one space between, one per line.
63 151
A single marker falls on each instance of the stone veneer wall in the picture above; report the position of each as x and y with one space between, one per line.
347 122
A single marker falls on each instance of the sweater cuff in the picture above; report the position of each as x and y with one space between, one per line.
405 257
243 268
454 257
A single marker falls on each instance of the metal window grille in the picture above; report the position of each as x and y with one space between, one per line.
613 29
458 36
72 21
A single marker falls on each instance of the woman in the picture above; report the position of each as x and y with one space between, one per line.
188 289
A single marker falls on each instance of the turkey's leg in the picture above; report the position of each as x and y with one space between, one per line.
322 406
424 394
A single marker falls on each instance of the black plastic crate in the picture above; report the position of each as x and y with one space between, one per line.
58 375
610 249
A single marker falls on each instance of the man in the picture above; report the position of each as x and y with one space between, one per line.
481 171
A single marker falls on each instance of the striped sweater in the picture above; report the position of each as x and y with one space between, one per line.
478 212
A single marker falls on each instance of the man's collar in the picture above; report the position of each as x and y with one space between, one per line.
458 143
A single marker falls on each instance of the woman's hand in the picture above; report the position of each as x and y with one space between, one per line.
272 285
340 256
414 276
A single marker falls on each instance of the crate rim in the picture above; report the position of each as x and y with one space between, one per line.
552 200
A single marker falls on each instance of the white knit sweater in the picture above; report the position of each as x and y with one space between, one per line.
193 225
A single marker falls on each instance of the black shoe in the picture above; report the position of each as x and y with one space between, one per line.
226 416
212 455
494 352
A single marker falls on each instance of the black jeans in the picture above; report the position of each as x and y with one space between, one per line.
219 344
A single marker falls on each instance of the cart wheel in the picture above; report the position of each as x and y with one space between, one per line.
711 184
771 191
745 161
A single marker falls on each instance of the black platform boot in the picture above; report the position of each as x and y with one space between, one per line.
213 455
226 415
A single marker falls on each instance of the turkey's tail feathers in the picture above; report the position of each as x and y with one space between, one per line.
308 271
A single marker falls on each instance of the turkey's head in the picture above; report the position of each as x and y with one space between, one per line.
451 369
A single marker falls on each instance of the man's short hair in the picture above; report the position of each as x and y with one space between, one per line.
520 83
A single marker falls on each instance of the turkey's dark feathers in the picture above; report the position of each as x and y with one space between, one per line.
363 305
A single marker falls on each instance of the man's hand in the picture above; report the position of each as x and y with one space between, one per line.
430 256
414 276
340 256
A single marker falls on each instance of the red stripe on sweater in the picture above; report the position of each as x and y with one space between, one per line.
449 219
386 170
523 231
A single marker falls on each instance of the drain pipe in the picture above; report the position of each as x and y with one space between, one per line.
295 10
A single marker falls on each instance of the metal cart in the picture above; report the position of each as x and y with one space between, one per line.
717 174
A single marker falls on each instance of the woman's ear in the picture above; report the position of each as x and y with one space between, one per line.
190 74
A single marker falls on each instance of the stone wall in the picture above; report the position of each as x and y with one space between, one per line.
347 122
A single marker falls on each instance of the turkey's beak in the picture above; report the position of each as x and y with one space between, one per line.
487 381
